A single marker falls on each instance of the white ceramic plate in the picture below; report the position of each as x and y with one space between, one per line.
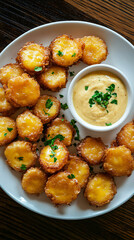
121 55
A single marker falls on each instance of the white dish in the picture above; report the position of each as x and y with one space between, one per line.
121 55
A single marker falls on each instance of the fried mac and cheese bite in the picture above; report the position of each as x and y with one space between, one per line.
34 181
8 131
126 136
61 189
9 71
66 50
63 127
94 51
29 126
47 108
23 91
20 155
33 57
91 150
100 189
79 169
54 157
6 109
118 161
54 78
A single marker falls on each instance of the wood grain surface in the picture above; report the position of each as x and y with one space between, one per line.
19 16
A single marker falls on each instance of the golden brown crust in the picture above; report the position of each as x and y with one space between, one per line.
34 180
70 48
29 126
118 161
46 115
23 91
6 109
54 160
126 136
79 168
24 61
63 127
54 78
91 150
62 190
8 130
96 193
21 155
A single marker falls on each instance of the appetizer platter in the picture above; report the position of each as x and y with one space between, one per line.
50 163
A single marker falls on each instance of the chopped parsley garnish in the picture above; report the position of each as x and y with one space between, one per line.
62 119
71 73
38 69
9 129
55 147
64 106
76 128
46 112
52 72
91 169
51 141
73 54
26 138
114 101
108 124
114 94
71 176
86 88
60 53
55 159
23 167
5 134
111 88
63 115
49 103
61 96
20 158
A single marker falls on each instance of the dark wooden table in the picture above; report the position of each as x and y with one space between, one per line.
17 17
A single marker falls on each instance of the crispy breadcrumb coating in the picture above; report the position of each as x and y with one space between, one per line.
6 109
8 131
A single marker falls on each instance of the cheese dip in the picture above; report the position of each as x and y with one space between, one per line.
100 98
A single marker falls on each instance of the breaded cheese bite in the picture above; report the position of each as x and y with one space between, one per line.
66 50
6 109
118 161
8 131
79 169
47 108
94 51
34 181
54 157
126 136
100 189
33 57
61 189
54 78
63 127
23 91
20 155
9 71
91 150
29 126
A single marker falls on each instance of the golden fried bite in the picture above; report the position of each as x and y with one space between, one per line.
8 131
63 127
61 189
126 136
54 78
94 51
118 161
33 57
53 158
20 155
66 50
91 150
100 189
34 181
79 169
47 108
22 91
29 126
9 71
6 108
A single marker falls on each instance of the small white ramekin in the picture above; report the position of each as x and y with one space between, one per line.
84 72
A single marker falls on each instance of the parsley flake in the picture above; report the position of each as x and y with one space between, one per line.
111 88
108 124
23 167
26 138
86 88
64 106
51 141
76 128
52 72
5 134
10 129
46 112
60 53
114 101
20 158
55 159
38 69
49 103
61 96
74 55
71 73
71 176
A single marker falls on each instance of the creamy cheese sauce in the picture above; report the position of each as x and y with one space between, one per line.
97 115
